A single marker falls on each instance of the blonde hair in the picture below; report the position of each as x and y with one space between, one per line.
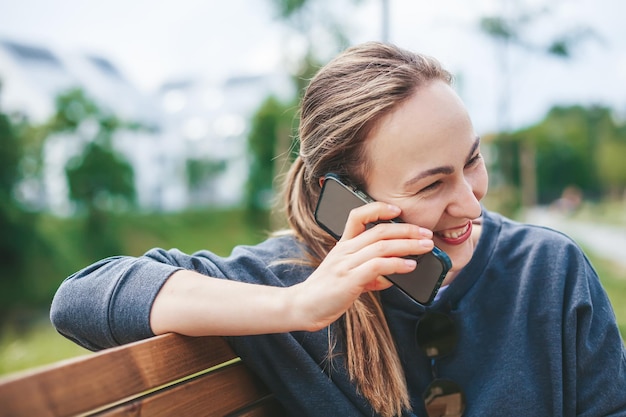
340 106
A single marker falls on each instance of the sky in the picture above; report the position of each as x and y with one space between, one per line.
156 41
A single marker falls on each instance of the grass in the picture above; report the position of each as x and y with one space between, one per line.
190 231
611 212
613 279
38 345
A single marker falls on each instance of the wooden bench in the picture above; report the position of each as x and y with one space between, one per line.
169 375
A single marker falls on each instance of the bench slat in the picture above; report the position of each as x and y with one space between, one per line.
232 390
115 374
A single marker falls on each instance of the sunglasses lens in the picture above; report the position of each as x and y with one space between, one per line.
444 398
436 335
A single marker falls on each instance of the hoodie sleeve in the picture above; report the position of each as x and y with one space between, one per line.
108 303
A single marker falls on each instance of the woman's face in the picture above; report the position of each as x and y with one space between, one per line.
424 157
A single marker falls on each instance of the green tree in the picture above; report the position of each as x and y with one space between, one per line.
612 170
10 155
512 29
322 27
575 145
270 144
610 161
10 224
269 134
201 172
100 179
18 234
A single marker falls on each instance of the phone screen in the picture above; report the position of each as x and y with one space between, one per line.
336 201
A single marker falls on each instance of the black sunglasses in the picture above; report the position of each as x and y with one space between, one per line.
436 335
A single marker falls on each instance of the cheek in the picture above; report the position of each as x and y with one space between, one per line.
480 182
423 214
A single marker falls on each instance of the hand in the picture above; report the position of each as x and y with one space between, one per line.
358 262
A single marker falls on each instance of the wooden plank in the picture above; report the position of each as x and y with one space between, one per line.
220 393
90 382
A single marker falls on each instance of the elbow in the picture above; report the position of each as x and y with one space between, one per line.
60 316
68 316
108 303
58 310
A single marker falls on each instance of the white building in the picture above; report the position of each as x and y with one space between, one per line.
213 120
194 119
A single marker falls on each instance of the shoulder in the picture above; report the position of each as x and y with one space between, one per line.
283 258
518 236
531 267
533 252
273 248
274 261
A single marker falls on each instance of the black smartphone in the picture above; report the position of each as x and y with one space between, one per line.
338 198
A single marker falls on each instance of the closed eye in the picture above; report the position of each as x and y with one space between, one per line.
430 187
474 160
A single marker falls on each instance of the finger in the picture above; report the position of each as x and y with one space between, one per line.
411 240
360 217
376 216
392 231
396 248
380 283
370 271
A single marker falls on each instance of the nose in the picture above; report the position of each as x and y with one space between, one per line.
465 200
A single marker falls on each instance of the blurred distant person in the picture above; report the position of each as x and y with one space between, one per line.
520 327
570 200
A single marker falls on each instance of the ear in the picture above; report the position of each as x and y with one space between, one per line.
321 181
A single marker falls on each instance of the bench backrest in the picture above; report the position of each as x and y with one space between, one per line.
169 375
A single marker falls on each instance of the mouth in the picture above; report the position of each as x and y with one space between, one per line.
455 236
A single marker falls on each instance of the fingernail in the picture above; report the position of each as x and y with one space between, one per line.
426 232
393 208
427 243
410 262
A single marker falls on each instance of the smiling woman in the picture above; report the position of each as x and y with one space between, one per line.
425 158
523 310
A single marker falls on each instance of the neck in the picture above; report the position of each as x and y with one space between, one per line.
476 232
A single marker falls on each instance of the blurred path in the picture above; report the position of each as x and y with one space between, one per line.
605 241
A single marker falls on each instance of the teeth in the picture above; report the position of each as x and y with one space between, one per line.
455 235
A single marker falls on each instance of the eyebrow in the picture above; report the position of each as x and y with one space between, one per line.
445 170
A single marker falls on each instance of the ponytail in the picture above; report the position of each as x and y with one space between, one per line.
341 105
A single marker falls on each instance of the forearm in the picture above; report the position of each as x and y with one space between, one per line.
193 304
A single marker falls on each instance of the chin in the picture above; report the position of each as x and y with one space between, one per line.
460 256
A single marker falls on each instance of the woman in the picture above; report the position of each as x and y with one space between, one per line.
521 326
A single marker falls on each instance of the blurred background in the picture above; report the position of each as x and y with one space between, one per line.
126 125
